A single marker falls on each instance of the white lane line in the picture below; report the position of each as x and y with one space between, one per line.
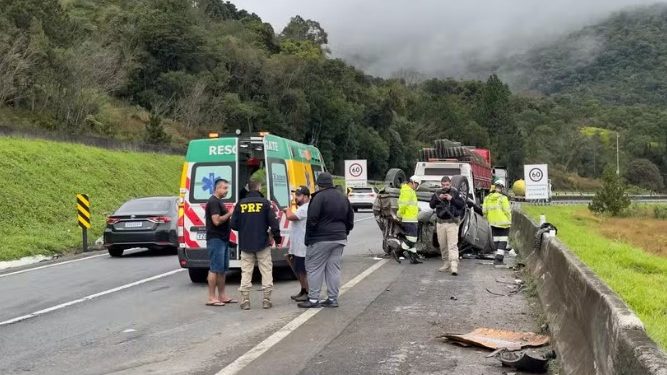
52 265
89 297
241 362
365 218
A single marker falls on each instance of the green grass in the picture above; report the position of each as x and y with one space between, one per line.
41 178
638 277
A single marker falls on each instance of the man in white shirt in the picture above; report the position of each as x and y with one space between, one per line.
297 249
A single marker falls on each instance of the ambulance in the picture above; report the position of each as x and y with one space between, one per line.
287 165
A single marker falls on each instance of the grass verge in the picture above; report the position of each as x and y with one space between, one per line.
639 277
41 179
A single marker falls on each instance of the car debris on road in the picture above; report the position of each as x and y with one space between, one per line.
491 338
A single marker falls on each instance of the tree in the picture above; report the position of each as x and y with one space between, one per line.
611 198
301 29
155 134
642 172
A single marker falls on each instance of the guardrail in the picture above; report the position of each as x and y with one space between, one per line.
595 332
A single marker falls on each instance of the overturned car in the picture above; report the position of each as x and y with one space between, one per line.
475 236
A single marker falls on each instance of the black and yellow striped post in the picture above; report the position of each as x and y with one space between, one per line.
83 216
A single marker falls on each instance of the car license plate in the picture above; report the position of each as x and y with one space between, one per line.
133 224
201 236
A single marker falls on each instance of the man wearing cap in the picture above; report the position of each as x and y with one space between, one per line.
297 250
408 214
497 211
330 220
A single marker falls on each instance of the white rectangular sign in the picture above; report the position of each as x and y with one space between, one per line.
356 173
537 181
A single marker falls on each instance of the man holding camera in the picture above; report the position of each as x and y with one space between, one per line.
449 207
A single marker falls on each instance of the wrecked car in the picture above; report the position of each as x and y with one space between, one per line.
474 231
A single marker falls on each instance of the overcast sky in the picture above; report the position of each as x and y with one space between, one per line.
436 37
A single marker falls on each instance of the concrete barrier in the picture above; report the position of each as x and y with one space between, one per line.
594 330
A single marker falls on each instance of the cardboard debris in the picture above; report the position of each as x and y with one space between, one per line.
493 339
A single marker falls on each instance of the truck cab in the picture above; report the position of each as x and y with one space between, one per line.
434 171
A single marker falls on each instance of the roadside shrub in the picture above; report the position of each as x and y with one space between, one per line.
611 198
660 212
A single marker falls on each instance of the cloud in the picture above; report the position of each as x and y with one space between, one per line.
435 37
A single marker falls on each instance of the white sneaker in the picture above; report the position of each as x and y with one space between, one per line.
444 268
512 253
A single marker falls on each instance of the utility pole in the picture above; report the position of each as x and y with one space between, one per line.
618 169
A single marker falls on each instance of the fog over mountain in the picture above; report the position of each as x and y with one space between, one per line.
436 37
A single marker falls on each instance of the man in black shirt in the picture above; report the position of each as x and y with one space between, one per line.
449 207
253 217
330 220
217 243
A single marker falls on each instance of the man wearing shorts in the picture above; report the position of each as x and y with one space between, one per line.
217 239
297 250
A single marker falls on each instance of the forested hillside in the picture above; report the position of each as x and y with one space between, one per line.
620 60
164 71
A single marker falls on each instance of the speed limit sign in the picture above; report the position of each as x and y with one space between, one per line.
355 173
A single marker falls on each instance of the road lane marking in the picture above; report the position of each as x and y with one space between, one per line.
241 362
89 297
51 265
364 218
127 252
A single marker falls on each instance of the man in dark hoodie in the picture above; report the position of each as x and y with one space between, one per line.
252 218
330 220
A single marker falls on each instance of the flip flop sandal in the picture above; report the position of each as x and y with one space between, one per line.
231 300
216 303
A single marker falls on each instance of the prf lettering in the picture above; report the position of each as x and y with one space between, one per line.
251 207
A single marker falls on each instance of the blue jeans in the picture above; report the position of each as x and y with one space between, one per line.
218 254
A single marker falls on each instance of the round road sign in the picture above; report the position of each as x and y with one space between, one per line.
356 170
535 175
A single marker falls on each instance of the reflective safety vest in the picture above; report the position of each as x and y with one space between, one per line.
408 206
497 210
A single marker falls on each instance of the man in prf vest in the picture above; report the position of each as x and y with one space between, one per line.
252 218
497 211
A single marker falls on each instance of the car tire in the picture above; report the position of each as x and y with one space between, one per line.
116 252
461 184
198 275
395 178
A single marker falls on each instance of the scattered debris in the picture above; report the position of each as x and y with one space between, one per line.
497 294
492 338
533 361
513 289
512 282
486 263
518 266
453 298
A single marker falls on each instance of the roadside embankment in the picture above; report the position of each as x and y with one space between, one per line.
594 330
41 178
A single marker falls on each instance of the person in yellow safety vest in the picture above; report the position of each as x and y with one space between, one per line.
408 214
497 211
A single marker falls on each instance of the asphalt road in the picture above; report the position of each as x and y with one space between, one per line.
141 314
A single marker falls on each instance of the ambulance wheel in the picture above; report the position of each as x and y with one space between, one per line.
116 252
198 275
